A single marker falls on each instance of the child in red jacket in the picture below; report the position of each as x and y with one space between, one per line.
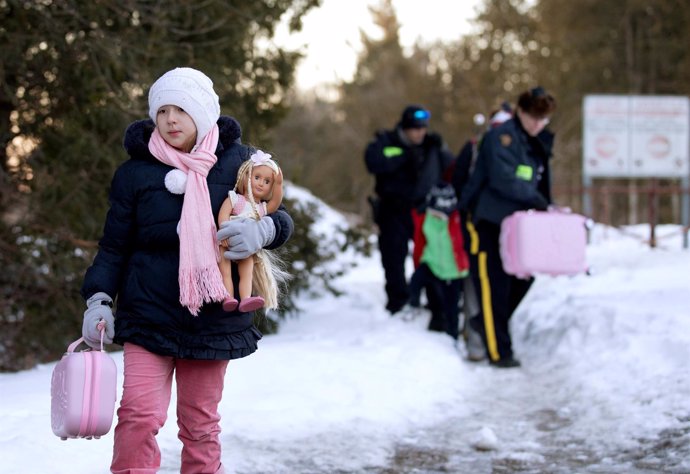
440 259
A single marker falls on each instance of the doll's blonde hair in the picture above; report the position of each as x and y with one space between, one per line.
269 273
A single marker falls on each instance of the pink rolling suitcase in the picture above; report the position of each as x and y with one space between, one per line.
83 391
543 242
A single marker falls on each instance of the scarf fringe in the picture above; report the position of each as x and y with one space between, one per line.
199 286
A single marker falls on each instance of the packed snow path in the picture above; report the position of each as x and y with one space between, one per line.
604 386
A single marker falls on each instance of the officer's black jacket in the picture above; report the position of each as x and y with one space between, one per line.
405 174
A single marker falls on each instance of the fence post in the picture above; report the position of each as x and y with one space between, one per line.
653 203
685 209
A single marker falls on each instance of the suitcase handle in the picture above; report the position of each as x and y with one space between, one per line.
101 327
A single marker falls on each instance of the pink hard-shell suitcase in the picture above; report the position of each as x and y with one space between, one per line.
543 242
83 391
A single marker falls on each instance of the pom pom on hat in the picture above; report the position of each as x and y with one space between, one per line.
190 90
503 114
499 117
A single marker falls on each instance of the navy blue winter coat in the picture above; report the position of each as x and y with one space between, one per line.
512 173
138 255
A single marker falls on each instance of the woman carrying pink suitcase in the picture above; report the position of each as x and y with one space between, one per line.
511 174
158 261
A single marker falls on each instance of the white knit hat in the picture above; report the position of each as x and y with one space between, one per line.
190 90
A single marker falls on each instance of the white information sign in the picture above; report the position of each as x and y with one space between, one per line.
636 136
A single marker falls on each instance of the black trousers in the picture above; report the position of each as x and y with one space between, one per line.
395 232
499 293
443 297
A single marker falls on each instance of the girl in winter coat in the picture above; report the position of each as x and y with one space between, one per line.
159 257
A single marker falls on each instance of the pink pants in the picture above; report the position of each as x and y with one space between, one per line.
144 407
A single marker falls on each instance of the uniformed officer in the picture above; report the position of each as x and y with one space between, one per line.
406 162
511 174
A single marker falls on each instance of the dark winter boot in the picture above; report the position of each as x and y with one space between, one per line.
505 363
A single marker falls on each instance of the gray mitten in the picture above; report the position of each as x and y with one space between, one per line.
98 308
246 236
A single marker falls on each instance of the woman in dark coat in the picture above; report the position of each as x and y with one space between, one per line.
158 257
512 173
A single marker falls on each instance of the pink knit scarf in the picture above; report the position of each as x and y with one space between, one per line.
199 276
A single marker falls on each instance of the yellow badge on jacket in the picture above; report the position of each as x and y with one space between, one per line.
506 139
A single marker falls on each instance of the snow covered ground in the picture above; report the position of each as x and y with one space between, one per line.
604 387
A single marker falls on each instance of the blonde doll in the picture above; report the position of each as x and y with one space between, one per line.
258 192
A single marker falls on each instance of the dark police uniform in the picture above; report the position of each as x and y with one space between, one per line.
511 174
404 175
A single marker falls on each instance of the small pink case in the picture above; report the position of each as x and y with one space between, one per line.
543 242
83 392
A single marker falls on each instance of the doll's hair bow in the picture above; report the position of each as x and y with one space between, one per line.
261 158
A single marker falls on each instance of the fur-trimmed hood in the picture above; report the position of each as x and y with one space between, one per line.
138 134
